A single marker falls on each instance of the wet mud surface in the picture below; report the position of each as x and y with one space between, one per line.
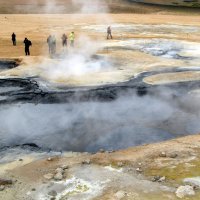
109 116
28 90
8 64
89 118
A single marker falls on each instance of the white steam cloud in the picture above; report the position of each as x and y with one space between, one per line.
127 121
76 61
65 6
93 6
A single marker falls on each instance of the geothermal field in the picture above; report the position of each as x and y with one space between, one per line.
105 119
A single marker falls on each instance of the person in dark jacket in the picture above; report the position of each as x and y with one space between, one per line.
109 33
14 39
64 40
27 44
49 42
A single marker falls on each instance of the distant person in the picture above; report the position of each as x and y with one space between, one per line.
49 41
27 44
64 40
72 39
14 39
53 44
109 33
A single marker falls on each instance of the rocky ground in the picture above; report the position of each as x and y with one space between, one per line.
168 170
49 108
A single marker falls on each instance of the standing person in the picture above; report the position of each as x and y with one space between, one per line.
109 33
64 40
14 39
72 38
27 44
53 44
49 41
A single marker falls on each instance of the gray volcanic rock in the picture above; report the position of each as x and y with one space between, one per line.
183 191
5 181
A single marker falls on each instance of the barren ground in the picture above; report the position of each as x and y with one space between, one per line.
103 175
38 27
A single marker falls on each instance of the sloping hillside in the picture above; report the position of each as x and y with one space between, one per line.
190 3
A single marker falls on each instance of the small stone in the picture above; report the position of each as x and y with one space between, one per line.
120 164
120 195
64 167
195 181
162 179
173 155
156 178
183 191
49 159
53 198
58 177
48 176
59 170
2 187
33 189
52 193
111 151
139 170
101 150
5 182
163 154
86 162
20 160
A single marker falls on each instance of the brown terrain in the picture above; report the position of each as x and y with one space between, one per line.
70 6
148 172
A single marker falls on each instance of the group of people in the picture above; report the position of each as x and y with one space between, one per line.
27 44
51 40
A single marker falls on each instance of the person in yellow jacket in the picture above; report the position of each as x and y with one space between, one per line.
72 38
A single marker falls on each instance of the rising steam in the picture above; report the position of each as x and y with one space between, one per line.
65 6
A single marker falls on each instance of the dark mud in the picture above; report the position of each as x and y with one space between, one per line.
111 116
8 64
17 90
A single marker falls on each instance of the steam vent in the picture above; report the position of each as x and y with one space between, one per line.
99 100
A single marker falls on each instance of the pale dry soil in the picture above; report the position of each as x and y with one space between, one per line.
107 173
129 63
111 172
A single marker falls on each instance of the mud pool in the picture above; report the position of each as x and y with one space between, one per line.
109 116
